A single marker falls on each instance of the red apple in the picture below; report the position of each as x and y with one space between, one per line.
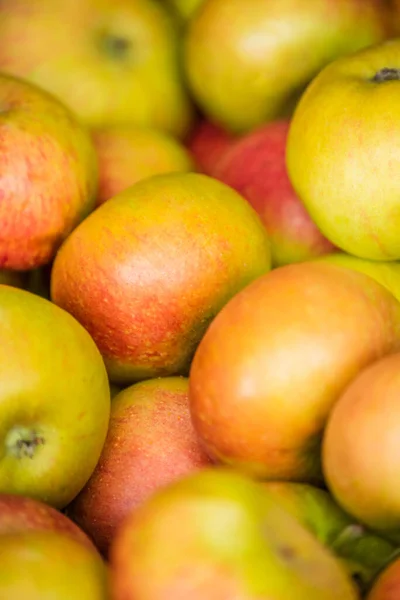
255 167
387 585
48 174
151 442
19 514
207 143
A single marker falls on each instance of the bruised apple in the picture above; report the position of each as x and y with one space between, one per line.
216 534
150 442
147 272
275 360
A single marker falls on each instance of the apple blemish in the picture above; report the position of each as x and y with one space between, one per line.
22 442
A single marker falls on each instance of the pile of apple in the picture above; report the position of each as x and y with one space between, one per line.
199 299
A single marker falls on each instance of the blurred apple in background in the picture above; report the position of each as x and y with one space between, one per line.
112 61
42 565
186 9
216 534
275 360
343 152
48 179
255 166
128 154
151 442
207 143
19 514
385 273
248 61
363 552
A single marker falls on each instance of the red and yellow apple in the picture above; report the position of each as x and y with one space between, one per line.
207 143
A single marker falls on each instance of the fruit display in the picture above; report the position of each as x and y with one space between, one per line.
199 299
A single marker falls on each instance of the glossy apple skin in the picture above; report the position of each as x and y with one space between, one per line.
148 270
387 586
48 174
151 442
216 534
113 62
275 360
19 514
128 154
248 61
343 157
255 167
46 564
366 484
54 400
208 143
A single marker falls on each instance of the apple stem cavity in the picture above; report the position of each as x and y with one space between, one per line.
116 47
386 74
21 442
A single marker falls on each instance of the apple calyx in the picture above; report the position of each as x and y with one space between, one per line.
115 46
22 442
386 74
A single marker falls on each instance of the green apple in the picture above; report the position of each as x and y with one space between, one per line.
44 565
363 553
385 273
216 534
112 61
185 8
247 61
54 400
343 155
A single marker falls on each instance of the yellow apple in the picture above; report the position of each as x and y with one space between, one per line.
112 61
343 152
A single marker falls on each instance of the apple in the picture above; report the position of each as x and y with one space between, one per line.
274 361
54 400
255 167
148 270
342 153
216 534
42 565
363 553
248 61
207 143
49 174
113 62
150 443
387 585
186 9
385 273
128 154
19 514
360 461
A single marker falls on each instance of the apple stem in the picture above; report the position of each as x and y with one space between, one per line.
386 74
22 442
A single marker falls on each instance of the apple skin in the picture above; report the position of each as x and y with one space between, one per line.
342 153
363 553
54 400
19 514
385 273
365 485
255 167
43 565
150 442
208 143
247 61
113 62
148 270
49 174
128 154
216 534
387 585
274 361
